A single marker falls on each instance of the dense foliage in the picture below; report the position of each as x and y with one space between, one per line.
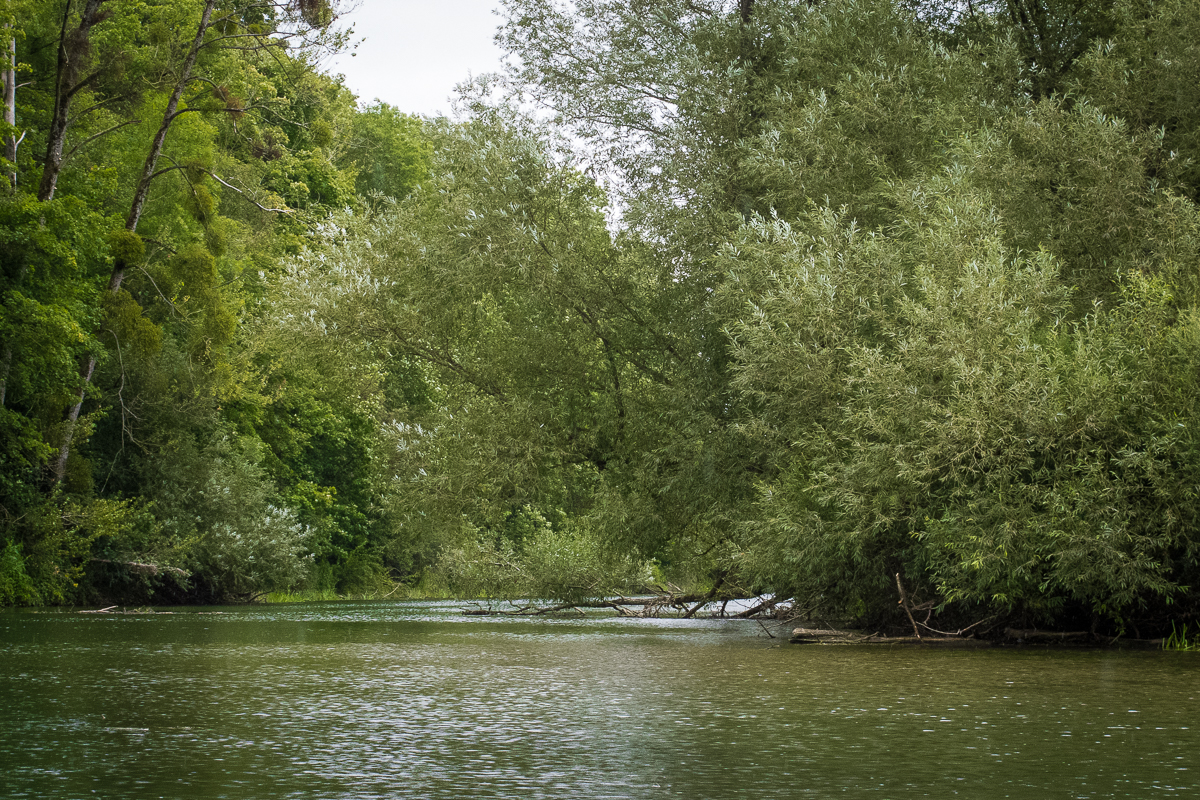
767 296
164 158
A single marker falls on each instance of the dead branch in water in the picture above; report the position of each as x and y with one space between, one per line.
1047 636
111 610
765 605
652 606
907 610
712 593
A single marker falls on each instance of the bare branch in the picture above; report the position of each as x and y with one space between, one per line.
95 136
247 197
907 610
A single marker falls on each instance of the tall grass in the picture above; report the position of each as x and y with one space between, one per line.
301 596
1178 640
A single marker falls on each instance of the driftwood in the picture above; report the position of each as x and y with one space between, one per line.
99 610
961 639
828 636
1033 636
817 636
112 610
144 610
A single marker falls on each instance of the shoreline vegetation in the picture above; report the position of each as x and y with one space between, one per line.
768 610
761 610
887 307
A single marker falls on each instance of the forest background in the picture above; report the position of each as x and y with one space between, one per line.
808 299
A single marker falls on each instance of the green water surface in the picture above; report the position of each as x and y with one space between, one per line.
414 700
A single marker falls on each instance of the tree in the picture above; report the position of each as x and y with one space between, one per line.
1145 74
74 46
788 165
516 339
150 317
388 150
317 14
8 76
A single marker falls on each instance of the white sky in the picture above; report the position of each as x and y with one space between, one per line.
415 51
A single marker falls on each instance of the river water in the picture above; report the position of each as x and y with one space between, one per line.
414 700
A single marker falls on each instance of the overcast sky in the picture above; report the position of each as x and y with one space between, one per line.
415 52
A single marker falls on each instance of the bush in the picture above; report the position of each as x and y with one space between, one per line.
240 539
16 587
568 563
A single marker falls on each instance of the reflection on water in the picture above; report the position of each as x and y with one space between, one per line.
412 700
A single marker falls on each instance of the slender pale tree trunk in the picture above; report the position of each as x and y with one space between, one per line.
10 153
10 117
141 192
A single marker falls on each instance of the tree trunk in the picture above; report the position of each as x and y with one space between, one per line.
73 50
10 153
10 118
143 186
131 222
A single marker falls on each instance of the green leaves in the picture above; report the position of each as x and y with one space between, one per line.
931 384
388 149
565 562
804 296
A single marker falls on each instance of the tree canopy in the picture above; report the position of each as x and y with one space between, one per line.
804 299
164 159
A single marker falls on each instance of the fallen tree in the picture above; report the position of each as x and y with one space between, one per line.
661 604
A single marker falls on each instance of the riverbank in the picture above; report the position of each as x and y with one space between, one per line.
1010 637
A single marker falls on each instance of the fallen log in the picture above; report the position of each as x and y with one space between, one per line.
110 610
765 605
821 636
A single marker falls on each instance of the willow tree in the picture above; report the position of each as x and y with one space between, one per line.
953 349
517 346
929 283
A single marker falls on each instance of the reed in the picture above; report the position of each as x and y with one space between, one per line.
1178 640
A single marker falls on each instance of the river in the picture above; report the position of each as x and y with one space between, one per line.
414 700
